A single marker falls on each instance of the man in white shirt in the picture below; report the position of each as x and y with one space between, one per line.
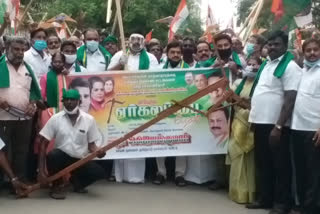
137 58
69 50
19 92
4 165
174 51
271 109
91 55
36 56
75 133
306 130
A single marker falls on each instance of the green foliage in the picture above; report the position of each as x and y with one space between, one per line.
138 15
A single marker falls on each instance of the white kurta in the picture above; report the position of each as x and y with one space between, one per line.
131 170
306 113
96 62
39 65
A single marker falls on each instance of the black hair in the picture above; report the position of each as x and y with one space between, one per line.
109 79
62 56
189 39
309 41
221 36
93 80
174 44
279 34
256 58
68 43
225 111
203 42
260 39
91 30
54 35
216 74
79 82
34 32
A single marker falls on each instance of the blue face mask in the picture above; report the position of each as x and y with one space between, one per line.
311 64
92 46
249 48
40 45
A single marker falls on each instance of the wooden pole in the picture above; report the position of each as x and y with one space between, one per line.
120 23
25 12
248 19
222 83
255 19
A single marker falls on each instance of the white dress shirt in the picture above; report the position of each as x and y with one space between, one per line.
73 68
18 94
96 61
39 65
306 113
268 97
73 140
1 144
133 61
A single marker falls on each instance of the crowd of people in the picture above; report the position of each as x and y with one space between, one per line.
274 147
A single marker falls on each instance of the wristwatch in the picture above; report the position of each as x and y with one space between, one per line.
278 127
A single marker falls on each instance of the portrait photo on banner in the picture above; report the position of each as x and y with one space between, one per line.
122 101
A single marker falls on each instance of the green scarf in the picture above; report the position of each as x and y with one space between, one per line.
236 59
35 93
278 72
182 64
82 55
206 64
240 86
78 68
52 89
144 61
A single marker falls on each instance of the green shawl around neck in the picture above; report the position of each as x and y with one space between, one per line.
181 64
35 93
278 72
82 55
52 89
205 64
144 61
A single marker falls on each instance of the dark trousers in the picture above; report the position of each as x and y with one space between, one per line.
273 167
16 136
81 177
307 164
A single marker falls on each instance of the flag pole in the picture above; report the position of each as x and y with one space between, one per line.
120 23
255 19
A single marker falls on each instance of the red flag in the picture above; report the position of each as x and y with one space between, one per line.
149 36
181 15
277 9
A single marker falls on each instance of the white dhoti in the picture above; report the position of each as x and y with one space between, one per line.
130 170
201 169
180 168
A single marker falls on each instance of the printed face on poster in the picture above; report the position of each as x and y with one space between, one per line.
122 101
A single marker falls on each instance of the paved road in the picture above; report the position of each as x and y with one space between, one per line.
115 198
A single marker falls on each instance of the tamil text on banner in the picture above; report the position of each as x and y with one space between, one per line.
122 101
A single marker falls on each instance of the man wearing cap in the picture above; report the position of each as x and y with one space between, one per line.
75 133
111 44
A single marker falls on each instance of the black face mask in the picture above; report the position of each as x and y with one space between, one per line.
188 52
173 63
225 53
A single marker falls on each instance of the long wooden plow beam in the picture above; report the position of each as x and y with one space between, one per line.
223 83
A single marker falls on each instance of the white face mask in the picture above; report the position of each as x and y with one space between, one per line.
70 59
73 112
53 51
248 72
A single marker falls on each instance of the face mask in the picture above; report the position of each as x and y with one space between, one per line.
70 59
73 112
40 45
249 72
249 49
53 51
310 64
225 53
92 46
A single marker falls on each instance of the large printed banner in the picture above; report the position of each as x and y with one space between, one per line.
122 101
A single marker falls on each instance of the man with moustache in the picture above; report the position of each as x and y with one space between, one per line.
174 54
218 122
273 96
203 54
